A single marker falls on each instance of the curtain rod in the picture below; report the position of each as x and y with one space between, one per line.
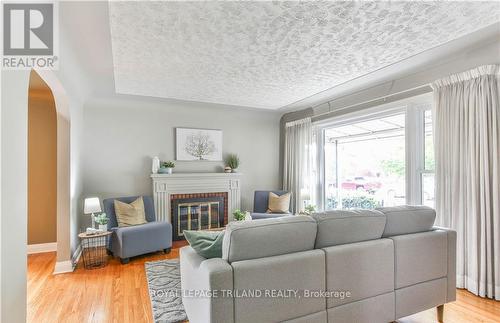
368 104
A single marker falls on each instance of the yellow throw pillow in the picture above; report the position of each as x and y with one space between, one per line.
278 204
130 214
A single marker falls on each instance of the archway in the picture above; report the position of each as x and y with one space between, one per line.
42 167
64 263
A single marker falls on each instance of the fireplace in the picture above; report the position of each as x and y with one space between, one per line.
199 211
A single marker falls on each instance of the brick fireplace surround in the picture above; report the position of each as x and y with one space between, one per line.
197 200
168 186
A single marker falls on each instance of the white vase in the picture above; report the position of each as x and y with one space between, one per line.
103 227
155 165
169 170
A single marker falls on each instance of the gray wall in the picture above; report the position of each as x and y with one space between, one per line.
122 134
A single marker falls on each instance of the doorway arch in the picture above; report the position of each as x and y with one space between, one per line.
63 183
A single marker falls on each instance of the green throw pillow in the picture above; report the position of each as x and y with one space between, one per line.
207 244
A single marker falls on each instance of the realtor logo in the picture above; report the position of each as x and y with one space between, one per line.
28 29
29 36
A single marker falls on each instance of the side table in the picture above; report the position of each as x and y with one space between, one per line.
94 249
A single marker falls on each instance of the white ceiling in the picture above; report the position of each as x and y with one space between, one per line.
271 54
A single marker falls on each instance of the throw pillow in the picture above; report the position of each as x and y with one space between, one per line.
130 214
278 204
207 244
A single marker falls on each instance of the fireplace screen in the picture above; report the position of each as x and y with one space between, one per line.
196 214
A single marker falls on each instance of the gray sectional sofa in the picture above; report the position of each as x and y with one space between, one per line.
339 266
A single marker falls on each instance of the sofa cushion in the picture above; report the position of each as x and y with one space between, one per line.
347 226
407 219
261 200
268 237
364 269
207 244
129 214
278 203
299 272
140 239
378 309
259 216
420 257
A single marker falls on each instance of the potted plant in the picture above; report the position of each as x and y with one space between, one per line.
102 220
166 167
233 162
239 215
308 210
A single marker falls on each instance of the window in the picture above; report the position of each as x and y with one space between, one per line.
365 163
380 157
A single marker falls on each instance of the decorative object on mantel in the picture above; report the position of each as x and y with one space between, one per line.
198 144
92 205
227 169
166 167
233 162
155 165
239 215
102 220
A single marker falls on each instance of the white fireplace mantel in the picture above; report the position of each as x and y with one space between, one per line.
185 183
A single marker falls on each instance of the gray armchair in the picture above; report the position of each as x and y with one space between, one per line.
261 203
136 240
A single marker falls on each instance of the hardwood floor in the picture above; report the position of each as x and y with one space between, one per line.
119 293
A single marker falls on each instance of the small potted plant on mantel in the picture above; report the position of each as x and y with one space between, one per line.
166 167
239 215
102 221
232 163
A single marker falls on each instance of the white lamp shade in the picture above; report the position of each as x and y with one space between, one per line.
305 194
91 205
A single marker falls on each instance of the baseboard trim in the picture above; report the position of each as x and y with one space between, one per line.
77 255
63 267
42 247
68 266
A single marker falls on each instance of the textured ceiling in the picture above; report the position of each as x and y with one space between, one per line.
271 54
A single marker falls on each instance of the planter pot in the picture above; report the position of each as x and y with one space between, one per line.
165 170
234 170
103 227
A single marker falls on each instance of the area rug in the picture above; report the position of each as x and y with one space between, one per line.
164 283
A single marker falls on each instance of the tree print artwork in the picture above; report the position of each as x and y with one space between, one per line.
198 144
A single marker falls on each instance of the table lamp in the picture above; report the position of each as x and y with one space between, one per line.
92 205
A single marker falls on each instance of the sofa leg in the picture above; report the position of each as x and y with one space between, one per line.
440 313
124 260
167 250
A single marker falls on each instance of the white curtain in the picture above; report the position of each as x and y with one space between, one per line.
466 120
297 161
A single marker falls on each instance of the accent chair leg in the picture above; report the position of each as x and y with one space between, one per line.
124 260
440 313
167 250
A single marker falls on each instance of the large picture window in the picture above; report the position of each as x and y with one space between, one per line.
365 163
382 158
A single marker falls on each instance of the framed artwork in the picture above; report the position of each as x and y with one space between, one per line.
198 144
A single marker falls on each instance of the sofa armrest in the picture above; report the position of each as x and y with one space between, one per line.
205 283
452 263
